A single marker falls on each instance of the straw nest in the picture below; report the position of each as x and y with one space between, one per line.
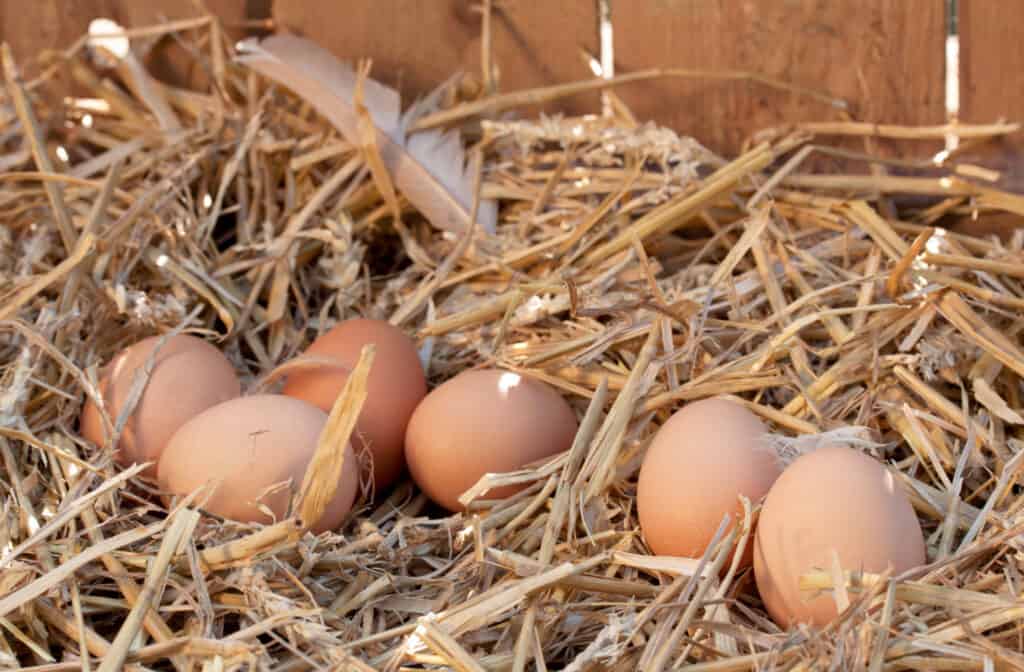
632 269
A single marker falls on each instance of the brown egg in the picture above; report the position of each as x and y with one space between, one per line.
705 456
396 386
250 445
188 377
483 422
833 499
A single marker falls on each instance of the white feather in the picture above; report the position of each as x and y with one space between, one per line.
429 167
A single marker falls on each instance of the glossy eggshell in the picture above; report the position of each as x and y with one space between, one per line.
480 422
188 377
834 498
700 461
396 386
250 444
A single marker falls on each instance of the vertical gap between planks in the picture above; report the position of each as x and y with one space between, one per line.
952 44
605 37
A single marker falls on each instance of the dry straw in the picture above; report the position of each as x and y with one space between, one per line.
631 269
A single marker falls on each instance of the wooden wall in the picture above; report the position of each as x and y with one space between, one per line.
854 49
992 78
886 57
420 43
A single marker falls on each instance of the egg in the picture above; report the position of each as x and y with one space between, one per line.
700 461
833 499
396 386
484 421
256 450
189 376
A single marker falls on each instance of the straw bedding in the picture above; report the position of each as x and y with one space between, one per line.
632 269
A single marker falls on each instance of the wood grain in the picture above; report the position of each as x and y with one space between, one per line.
886 57
992 80
416 44
991 60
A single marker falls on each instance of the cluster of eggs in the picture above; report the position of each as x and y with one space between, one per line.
831 503
195 428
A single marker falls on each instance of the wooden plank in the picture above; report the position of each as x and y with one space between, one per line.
417 44
992 80
991 60
34 27
886 57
